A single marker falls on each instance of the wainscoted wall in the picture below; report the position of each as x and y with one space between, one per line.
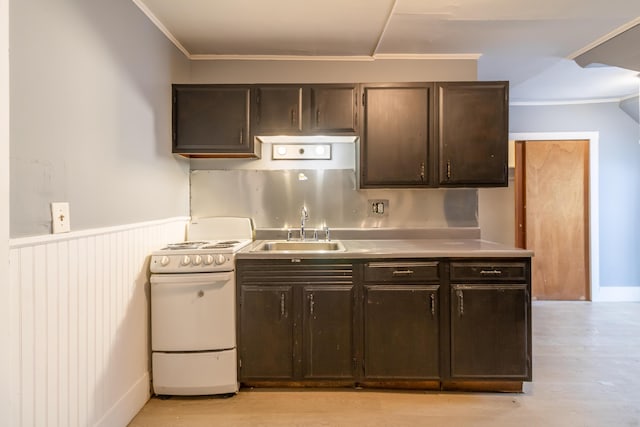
79 315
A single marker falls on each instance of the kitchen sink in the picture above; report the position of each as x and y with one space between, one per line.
300 246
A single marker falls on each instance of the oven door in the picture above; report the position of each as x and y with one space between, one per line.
193 312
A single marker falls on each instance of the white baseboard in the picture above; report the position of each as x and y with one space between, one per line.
617 293
129 405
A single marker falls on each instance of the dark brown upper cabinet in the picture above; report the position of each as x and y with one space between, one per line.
472 133
334 109
305 109
278 109
212 121
396 134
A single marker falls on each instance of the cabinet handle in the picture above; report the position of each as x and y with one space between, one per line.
460 296
293 117
432 297
493 272
448 169
311 304
241 137
422 171
318 117
402 272
282 305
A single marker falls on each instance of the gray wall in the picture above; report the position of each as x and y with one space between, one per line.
619 178
381 70
91 115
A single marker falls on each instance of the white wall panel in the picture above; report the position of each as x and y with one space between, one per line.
79 303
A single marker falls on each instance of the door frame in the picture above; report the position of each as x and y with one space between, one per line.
593 179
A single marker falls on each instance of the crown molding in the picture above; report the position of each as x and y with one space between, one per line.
621 29
571 101
379 56
161 27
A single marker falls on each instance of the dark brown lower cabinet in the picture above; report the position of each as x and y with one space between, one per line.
401 332
296 321
412 322
327 335
267 327
490 332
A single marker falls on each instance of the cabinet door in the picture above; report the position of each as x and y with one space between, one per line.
211 119
401 332
489 332
328 340
333 109
395 137
266 332
278 109
473 129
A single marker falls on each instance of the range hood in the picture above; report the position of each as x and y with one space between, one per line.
307 139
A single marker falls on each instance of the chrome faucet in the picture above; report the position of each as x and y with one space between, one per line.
304 215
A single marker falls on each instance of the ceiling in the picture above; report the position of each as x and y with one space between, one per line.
531 44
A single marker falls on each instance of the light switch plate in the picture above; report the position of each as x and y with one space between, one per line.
60 219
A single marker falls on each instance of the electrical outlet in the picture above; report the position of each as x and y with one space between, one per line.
378 207
60 219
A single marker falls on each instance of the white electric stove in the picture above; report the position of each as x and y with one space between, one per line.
193 329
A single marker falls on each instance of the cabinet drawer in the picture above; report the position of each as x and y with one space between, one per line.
401 271
489 272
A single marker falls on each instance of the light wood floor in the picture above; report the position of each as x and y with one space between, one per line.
586 369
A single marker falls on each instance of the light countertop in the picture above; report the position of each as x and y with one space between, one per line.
397 248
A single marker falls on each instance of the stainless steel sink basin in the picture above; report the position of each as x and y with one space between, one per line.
300 246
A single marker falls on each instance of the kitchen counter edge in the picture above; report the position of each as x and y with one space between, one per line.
387 248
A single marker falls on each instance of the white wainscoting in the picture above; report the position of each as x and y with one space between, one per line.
79 323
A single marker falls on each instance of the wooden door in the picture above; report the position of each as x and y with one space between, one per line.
552 216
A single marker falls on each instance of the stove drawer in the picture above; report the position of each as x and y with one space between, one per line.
189 374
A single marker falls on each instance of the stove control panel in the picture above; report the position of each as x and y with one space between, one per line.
191 263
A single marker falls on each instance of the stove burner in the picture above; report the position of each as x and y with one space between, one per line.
184 245
222 245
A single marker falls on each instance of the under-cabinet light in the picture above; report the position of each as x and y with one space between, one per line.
301 152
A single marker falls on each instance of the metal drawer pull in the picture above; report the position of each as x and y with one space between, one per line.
402 272
460 296
311 304
282 307
433 305
491 272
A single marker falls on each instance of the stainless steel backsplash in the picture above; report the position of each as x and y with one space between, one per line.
274 198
